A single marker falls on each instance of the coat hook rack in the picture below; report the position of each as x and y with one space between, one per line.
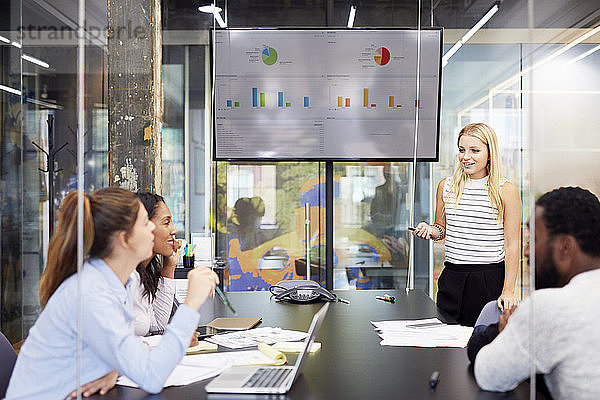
50 167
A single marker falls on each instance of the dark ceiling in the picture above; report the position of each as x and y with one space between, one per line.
184 14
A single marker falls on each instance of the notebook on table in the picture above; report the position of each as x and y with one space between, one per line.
267 379
234 323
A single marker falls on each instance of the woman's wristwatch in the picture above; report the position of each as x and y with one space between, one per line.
440 230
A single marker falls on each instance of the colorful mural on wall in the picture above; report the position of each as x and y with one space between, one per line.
258 265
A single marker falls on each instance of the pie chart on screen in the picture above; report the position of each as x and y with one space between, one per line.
269 56
382 56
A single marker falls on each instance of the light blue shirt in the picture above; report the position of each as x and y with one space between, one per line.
47 366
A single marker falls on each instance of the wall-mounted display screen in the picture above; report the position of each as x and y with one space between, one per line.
326 94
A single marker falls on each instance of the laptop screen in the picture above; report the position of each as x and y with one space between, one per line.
312 333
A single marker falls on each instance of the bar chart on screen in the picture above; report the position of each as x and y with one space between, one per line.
339 91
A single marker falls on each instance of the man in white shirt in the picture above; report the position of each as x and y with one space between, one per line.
564 314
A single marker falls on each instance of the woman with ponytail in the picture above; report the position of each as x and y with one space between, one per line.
117 236
479 215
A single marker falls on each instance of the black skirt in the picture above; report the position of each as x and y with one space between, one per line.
463 289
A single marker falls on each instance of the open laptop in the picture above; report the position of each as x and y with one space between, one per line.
267 379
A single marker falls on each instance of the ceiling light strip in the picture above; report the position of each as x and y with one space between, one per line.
525 71
10 90
469 34
219 19
584 55
35 61
214 10
351 16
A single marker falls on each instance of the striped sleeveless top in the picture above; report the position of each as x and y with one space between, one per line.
473 235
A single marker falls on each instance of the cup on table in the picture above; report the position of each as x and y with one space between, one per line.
188 261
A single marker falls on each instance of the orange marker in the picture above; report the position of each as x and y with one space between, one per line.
386 299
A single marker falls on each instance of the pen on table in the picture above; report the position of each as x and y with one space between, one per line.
386 299
225 300
343 300
434 379
389 297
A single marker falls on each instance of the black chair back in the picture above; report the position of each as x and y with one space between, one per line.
8 357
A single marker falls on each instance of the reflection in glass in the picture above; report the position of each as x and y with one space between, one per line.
503 110
371 220
260 221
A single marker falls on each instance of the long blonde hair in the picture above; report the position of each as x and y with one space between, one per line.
487 135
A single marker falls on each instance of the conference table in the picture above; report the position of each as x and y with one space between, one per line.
351 363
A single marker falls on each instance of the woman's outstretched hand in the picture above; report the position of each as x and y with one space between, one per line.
194 341
425 231
201 284
100 385
507 300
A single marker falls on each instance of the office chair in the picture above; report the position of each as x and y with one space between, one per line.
490 314
8 357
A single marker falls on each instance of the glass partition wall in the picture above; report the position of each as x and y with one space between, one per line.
260 221
39 130
53 135
372 201
560 90
469 96
11 194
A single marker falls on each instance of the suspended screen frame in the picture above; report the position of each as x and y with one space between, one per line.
266 58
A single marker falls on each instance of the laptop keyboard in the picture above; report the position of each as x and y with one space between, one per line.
268 377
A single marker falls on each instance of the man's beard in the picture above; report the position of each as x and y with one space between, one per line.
547 276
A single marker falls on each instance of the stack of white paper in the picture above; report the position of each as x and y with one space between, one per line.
253 337
230 358
181 288
197 367
422 333
189 370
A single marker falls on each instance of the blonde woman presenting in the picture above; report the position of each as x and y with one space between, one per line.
479 216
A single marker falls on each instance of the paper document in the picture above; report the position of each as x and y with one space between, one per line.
429 332
235 358
202 347
253 337
203 248
234 323
187 371
181 288
181 252
402 324
194 368
295 347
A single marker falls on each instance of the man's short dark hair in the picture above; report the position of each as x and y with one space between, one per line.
573 211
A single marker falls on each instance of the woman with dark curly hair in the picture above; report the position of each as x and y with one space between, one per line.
153 285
